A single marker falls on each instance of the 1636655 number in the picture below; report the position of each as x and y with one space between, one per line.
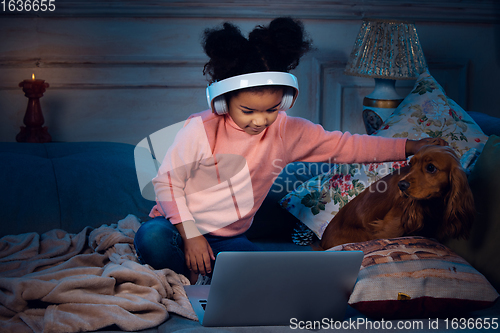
472 323
28 5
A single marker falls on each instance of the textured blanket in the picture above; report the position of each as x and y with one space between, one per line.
61 282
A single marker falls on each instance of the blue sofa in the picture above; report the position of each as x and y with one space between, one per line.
70 186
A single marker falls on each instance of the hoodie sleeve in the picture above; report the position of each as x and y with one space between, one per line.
309 142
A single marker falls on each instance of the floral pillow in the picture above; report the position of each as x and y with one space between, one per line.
428 112
425 112
316 201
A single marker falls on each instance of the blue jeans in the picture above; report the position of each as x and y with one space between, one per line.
159 244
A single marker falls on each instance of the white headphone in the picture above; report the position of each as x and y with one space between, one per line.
216 90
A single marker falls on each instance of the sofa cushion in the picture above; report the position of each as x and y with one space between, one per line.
68 186
490 125
481 248
416 277
29 199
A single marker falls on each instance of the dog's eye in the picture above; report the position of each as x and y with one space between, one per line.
431 168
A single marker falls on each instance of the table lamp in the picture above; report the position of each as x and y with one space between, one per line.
387 51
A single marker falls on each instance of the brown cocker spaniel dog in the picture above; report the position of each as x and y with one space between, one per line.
430 198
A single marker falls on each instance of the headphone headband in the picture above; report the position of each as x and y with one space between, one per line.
217 89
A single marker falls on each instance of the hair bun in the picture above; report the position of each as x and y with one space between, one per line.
277 47
227 49
282 43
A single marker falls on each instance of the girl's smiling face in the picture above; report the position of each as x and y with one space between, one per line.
254 111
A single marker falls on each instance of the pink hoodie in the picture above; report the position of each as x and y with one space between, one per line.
222 198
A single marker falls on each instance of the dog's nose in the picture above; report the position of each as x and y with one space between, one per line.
403 185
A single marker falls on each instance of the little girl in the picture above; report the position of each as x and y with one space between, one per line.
253 138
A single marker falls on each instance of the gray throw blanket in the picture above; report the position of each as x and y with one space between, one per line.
61 282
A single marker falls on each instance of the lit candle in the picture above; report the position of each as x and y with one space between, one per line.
34 87
33 119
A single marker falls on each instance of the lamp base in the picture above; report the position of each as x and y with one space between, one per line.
380 104
373 118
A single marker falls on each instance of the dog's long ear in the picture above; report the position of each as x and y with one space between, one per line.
459 209
413 217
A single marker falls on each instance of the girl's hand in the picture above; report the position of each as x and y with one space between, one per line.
198 255
412 146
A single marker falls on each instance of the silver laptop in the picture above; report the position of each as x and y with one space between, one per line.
276 288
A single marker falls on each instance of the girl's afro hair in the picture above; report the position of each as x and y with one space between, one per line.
277 47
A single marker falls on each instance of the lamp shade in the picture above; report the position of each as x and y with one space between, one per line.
386 49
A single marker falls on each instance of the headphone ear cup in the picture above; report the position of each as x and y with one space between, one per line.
220 105
287 100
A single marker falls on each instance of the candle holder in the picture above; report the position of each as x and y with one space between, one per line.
33 119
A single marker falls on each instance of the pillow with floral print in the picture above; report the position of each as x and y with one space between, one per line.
428 112
316 201
425 112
